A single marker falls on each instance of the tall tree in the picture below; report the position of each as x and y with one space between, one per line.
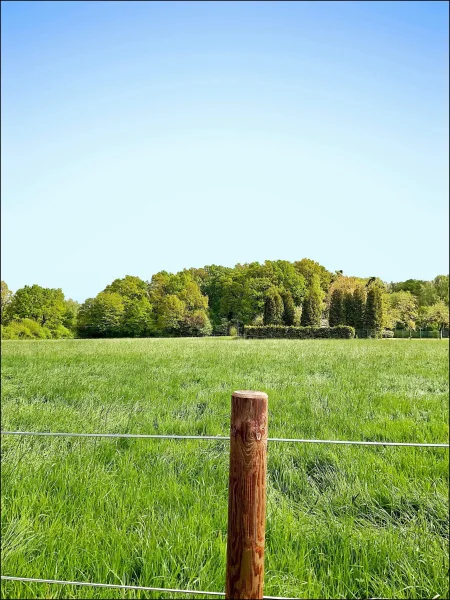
349 308
288 308
359 306
212 285
70 314
336 312
313 304
195 315
441 284
273 307
375 313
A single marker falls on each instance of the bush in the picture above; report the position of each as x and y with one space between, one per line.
258 321
299 333
233 331
36 330
25 329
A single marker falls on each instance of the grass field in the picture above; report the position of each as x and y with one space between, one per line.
342 521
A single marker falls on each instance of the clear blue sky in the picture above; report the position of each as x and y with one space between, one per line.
141 136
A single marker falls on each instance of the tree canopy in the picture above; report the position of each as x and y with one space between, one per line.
217 299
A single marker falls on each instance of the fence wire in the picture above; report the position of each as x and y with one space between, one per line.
221 438
127 587
143 588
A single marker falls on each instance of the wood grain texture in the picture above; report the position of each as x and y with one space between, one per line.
247 495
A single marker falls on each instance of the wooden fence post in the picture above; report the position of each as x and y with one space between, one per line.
247 496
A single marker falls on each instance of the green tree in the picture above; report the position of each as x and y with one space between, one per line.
195 316
436 316
283 275
273 307
404 309
349 308
129 287
308 268
336 314
169 317
196 323
288 308
44 305
179 307
427 294
375 312
137 318
441 284
212 285
359 306
101 316
69 320
313 304
6 298
410 285
239 294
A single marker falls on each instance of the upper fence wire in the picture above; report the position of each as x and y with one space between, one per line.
222 438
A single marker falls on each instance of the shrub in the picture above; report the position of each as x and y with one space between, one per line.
36 330
299 333
258 321
25 329
233 331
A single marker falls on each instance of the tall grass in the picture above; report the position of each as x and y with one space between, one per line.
342 521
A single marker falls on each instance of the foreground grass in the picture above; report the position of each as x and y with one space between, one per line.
342 521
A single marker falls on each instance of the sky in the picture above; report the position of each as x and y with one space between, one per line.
146 136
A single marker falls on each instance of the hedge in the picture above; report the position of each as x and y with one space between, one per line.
299 333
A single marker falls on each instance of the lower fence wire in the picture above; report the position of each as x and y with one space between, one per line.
126 587
143 588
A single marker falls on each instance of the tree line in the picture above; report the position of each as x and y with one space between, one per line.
221 300
372 304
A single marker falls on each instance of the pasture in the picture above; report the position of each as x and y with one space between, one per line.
342 521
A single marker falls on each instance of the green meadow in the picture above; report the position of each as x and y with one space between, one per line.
342 521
